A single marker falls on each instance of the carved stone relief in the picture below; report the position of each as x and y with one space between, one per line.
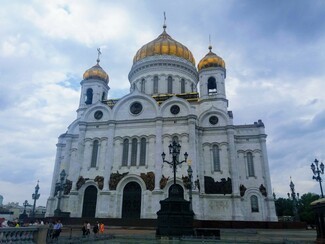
149 179
163 182
115 179
100 181
222 187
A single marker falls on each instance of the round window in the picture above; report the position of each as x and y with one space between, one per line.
174 109
98 114
136 108
213 120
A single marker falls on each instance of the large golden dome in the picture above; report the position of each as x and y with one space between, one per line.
211 60
164 45
96 72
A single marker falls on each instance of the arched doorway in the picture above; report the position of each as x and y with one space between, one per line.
131 207
90 201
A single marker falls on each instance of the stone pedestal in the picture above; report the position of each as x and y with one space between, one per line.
319 209
175 217
59 214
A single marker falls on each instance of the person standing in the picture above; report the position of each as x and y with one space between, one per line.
88 228
96 228
84 229
101 228
57 229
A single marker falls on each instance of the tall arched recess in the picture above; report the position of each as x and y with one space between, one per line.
131 208
90 201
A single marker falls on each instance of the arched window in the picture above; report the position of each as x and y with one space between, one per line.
94 154
142 85
125 152
175 139
216 158
143 151
254 203
89 96
170 85
250 165
182 86
155 84
134 151
212 86
103 96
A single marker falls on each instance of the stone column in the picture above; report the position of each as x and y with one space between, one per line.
56 172
104 195
101 154
81 148
271 214
158 152
192 154
109 156
234 167
67 154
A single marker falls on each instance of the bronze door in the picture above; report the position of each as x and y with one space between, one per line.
131 207
90 201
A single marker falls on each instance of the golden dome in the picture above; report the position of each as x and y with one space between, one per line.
96 72
211 60
164 45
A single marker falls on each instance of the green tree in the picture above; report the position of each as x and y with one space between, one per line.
305 211
283 207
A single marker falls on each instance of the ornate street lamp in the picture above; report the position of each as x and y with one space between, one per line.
174 150
35 196
274 196
25 204
57 211
317 171
23 216
190 175
293 197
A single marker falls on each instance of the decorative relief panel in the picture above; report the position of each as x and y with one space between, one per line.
163 182
263 190
149 179
100 181
81 181
115 179
242 190
222 187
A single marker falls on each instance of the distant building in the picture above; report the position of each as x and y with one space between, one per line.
17 210
112 151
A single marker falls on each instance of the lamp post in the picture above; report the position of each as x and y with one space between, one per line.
174 150
274 196
57 211
23 216
317 171
25 204
35 196
294 200
190 175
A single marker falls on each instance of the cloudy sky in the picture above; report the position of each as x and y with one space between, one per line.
274 53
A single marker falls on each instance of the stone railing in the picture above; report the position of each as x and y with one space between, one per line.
23 234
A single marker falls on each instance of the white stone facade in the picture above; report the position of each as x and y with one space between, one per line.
129 140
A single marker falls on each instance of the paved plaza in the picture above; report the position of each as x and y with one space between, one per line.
73 234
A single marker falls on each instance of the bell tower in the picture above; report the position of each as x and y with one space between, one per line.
212 74
94 86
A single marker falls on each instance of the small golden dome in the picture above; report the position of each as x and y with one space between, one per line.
164 45
96 72
211 60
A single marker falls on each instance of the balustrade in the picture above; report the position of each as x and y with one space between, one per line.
23 235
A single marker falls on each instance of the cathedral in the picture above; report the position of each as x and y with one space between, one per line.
109 163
